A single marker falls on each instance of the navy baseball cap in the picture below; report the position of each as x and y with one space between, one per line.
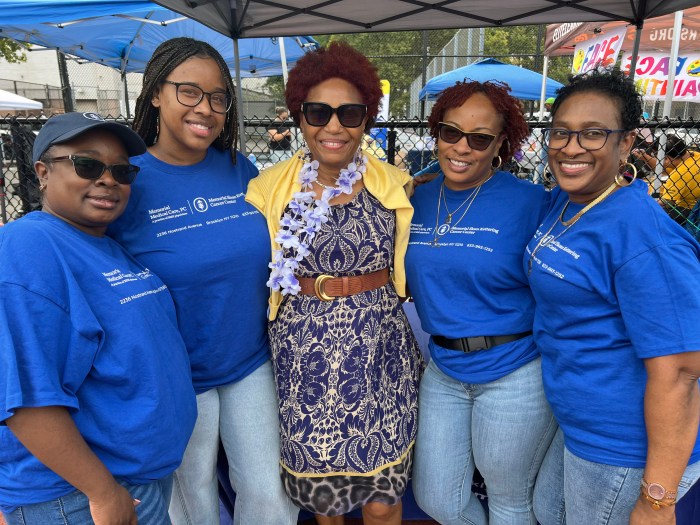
62 128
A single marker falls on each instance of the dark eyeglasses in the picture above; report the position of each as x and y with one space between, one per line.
476 140
319 114
590 139
92 169
191 95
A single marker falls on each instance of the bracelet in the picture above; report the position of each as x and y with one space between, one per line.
656 491
656 504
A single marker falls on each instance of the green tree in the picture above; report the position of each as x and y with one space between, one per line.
398 57
517 45
275 87
11 51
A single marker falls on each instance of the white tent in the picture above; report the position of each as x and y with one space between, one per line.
15 102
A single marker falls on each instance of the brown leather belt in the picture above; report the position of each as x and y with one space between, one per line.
472 344
327 287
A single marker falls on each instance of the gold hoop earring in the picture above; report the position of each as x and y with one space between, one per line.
42 186
620 178
500 161
434 153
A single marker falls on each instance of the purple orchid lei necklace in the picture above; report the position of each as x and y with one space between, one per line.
305 218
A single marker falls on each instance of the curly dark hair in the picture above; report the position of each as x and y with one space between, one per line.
338 60
514 126
167 56
612 83
675 147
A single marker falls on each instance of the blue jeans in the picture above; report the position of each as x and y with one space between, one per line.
574 491
244 415
74 508
503 427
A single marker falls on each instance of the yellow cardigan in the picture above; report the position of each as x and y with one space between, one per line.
271 191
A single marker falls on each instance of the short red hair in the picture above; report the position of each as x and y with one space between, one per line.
338 60
515 128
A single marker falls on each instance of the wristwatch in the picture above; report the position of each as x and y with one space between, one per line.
657 495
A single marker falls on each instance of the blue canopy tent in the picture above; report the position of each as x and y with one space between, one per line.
33 11
123 34
524 83
126 40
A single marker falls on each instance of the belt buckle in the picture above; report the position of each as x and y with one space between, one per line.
320 287
475 344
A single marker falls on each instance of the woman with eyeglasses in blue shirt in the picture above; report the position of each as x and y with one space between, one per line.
188 222
617 290
481 401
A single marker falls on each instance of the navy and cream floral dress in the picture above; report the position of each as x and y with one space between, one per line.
347 372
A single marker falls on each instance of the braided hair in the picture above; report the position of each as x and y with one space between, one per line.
167 56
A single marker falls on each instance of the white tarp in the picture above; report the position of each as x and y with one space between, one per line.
15 102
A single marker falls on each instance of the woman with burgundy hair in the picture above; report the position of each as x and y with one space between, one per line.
482 404
346 362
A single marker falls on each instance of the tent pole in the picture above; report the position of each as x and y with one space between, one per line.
424 69
670 88
635 49
239 96
283 59
65 83
543 92
126 96
125 87
672 62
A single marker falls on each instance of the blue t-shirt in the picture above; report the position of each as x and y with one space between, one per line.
83 325
473 283
192 227
621 285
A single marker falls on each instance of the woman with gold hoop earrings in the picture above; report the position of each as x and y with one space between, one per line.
481 401
606 266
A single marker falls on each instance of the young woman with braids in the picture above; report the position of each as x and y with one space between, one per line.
188 222
606 266
481 401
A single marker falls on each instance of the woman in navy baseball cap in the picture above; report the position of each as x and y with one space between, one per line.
96 397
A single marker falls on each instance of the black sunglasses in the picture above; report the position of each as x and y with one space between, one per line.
476 140
92 169
319 114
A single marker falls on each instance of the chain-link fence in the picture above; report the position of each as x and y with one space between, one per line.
666 156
